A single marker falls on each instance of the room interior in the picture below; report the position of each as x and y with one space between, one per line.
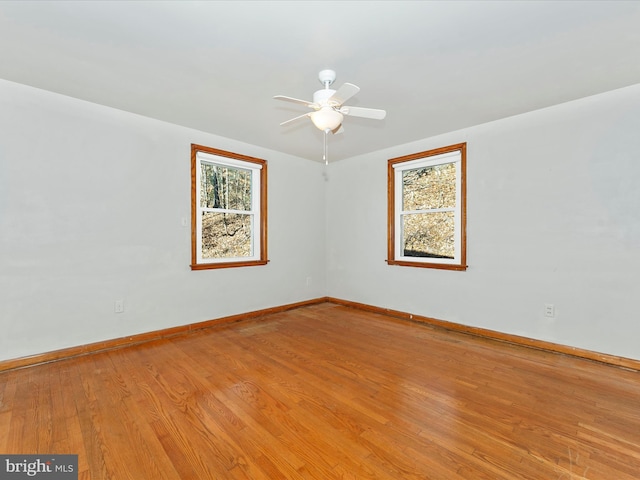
96 198
100 103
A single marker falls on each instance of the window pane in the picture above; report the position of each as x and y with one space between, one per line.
226 235
429 187
428 235
225 187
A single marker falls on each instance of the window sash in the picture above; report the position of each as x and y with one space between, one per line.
255 207
431 161
253 248
226 161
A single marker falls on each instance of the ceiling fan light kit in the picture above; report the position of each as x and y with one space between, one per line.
327 119
329 111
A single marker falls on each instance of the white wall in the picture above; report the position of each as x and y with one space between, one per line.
92 198
553 217
91 204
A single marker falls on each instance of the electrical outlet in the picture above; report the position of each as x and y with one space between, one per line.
118 306
549 310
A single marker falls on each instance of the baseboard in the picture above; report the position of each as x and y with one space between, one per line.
81 350
112 344
623 362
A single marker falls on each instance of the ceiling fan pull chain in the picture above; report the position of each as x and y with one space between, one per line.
325 155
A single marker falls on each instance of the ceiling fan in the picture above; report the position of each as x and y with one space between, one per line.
329 109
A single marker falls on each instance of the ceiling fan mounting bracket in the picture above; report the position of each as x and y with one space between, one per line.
327 77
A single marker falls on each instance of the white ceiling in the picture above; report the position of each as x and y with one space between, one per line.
215 66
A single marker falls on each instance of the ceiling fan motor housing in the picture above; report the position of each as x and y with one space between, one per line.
321 97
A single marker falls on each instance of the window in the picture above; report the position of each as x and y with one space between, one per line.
228 209
427 209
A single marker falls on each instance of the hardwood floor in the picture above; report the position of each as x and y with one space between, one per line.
327 392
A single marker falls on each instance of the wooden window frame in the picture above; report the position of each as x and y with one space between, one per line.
259 232
458 263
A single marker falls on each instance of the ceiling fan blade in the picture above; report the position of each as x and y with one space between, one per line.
296 100
372 113
295 118
344 93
